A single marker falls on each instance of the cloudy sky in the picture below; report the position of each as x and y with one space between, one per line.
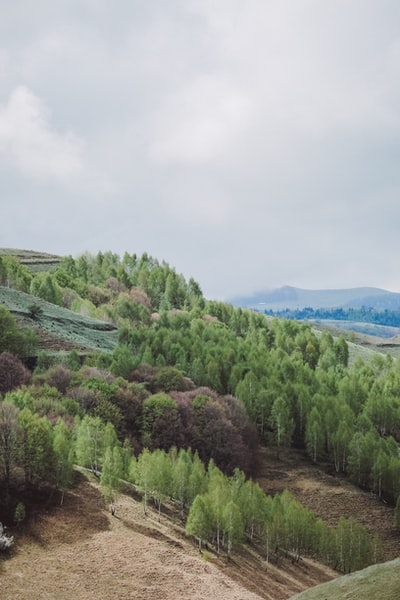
250 144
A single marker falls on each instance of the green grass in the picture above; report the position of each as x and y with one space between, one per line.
378 582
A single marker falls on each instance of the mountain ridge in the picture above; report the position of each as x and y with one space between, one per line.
296 298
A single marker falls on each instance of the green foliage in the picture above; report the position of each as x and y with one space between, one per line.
20 513
63 455
14 274
112 473
160 421
89 434
281 423
36 454
123 362
44 285
168 379
14 339
35 310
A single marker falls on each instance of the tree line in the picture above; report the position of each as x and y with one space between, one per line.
363 314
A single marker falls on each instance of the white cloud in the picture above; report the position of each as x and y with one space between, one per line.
28 143
200 122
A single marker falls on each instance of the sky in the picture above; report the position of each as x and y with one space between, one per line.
249 144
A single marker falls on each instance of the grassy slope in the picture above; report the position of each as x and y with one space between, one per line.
378 581
60 328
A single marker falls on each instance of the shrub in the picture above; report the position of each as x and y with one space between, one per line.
59 377
13 373
20 513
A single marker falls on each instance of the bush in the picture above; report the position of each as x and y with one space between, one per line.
20 513
13 373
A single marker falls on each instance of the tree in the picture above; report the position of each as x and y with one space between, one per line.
143 475
111 475
63 452
233 526
341 439
197 479
252 509
15 274
160 477
218 494
200 519
20 513
282 424
315 434
341 350
44 285
162 427
361 457
123 362
89 442
13 373
354 547
8 439
267 525
181 471
36 448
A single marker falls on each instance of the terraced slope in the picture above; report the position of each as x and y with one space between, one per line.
59 328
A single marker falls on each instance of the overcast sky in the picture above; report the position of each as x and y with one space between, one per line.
248 143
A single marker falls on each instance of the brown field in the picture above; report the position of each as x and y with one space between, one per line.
80 551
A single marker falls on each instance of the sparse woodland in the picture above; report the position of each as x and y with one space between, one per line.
179 407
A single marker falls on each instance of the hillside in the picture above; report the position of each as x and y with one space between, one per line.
81 550
378 581
81 547
59 328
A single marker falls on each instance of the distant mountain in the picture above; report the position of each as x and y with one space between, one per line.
297 298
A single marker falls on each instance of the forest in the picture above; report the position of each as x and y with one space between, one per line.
178 409
364 314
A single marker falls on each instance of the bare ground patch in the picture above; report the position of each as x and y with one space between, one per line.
328 496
